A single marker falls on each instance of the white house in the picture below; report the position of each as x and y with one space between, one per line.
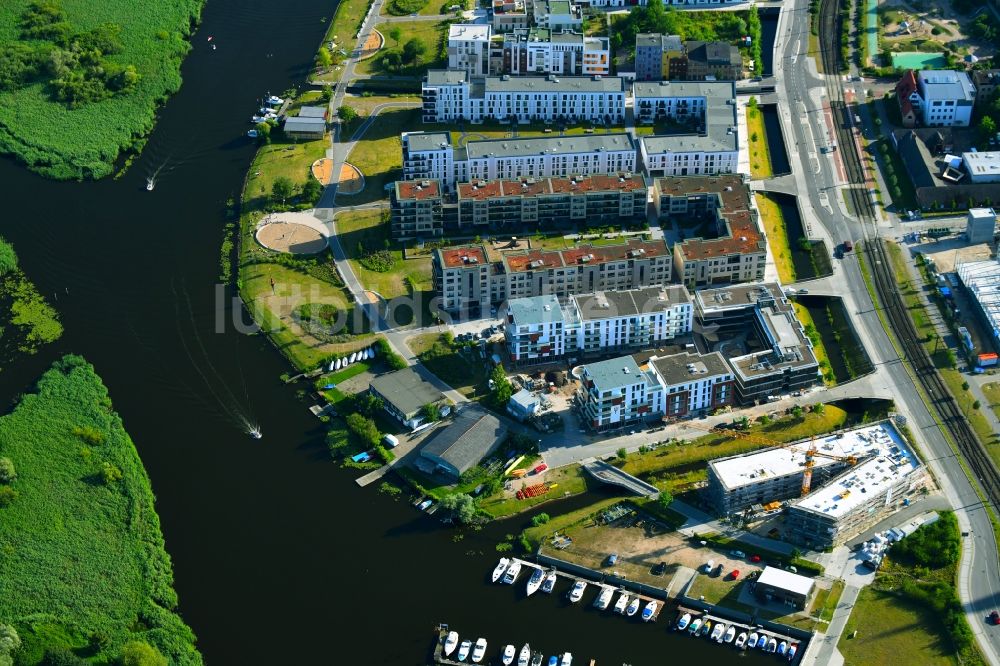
535 332
469 48
946 98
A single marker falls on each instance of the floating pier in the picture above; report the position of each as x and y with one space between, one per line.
740 628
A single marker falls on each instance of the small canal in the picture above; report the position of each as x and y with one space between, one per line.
769 31
811 260
848 358
775 140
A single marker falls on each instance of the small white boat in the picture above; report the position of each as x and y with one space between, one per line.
339 364
464 649
695 626
730 634
782 648
426 504
621 603
536 659
513 571
499 569
706 629
369 353
333 363
257 120
741 640
772 645
633 607
762 641
524 655
567 659
256 433
274 101
550 583
508 655
717 632
150 184
603 599
685 619
576 592
649 612
354 356
792 650
535 581
752 641
479 651
263 110
450 643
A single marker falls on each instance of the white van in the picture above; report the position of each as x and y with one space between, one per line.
390 441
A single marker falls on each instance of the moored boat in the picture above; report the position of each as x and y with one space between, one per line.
772 645
507 658
513 571
741 640
499 569
535 581
464 649
706 629
622 603
576 592
752 641
633 607
762 641
695 626
717 632
792 650
649 612
730 634
682 623
550 583
604 598
536 659
450 643
567 659
524 656
553 661
479 651
782 648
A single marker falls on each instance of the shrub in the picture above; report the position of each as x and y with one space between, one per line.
504 547
7 473
137 653
540 519
92 436
464 506
60 656
8 258
110 473
364 429
7 496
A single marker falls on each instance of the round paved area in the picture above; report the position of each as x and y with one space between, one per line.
351 180
291 237
372 44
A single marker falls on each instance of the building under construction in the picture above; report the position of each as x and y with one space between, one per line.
839 484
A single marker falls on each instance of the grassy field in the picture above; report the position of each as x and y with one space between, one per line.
777 237
380 155
428 32
571 480
83 556
992 393
83 143
346 22
281 158
365 227
760 159
463 371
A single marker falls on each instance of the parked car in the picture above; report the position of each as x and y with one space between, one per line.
734 574
612 559
994 618
738 553
660 569
755 558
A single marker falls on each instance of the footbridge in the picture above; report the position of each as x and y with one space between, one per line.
607 473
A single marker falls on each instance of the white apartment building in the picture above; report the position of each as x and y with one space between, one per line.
615 394
543 51
429 156
450 95
558 15
693 155
946 98
692 383
535 332
469 48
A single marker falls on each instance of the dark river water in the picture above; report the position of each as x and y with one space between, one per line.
279 557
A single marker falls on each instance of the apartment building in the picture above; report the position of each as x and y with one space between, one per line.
692 384
595 324
416 209
469 48
653 54
451 95
430 156
738 253
779 357
615 394
544 51
467 278
558 15
508 15
659 57
936 98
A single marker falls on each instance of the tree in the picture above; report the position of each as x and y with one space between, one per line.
264 132
752 105
323 58
413 50
977 404
502 390
665 499
7 473
60 656
137 653
311 191
8 258
368 404
110 473
540 519
797 411
347 113
819 408
395 34
464 507
10 642
364 429
282 189
431 412
965 386
392 61
7 496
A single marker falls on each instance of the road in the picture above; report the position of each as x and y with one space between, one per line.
801 97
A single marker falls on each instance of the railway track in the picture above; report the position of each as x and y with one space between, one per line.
949 412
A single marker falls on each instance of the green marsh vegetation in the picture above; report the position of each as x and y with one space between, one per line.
83 571
27 321
80 81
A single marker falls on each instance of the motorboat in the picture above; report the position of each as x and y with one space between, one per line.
706 629
354 356
730 634
550 583
621 603
535 581
567 659
603 599
792 649
762 642
256 433
576 592
633 607
536 659
752 641
741 640
685 619
464 649
274 101
150 184
695 626
479 651
525 655
507 658
426 504
450 643
649 612
772 645
782 648
717 631
553 661
513 571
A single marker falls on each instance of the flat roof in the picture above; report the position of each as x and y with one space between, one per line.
417 189
605 304
487 189
615 373
535 310
982 279
892 460
423 141
721 90
406 389
469 32
584 143
946 84
312 112
739 296
714 52
464 255
584 254
686 367
473 434
986 163
786 580
442 77
555 84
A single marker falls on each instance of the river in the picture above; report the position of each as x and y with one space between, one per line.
279 557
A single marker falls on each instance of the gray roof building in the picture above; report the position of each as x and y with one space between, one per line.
721 90
421 141
615 373
629 303
536 310
555 84
312 112
305 126
586 143
405 392
681 368
474 434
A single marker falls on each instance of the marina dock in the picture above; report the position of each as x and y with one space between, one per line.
740 628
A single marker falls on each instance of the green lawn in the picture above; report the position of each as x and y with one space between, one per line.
760 159
85 142
805 317
82 550
571 480
462 370
777 237
428 32
379 155
367 229
281 158
992 393
346 22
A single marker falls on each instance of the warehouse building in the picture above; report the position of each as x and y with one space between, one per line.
458 447
404 393
779 586
982 280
